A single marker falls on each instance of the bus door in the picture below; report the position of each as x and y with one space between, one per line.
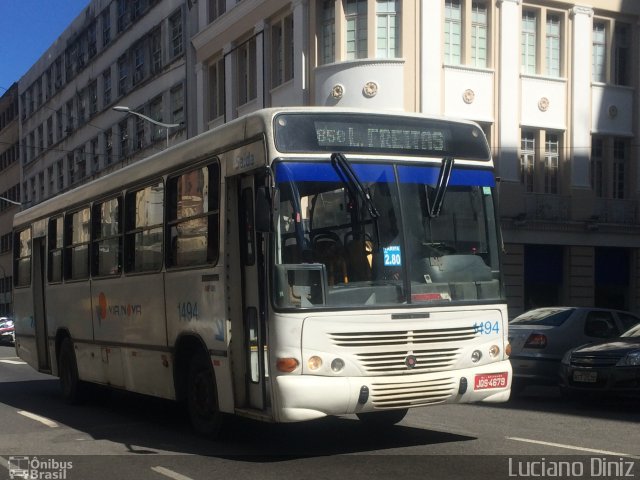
253 296
39 312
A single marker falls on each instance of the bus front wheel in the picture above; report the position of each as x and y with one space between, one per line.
386 418
68 371
202 396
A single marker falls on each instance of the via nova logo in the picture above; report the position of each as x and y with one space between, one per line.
104 309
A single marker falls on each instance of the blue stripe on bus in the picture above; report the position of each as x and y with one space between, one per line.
324 172
459 177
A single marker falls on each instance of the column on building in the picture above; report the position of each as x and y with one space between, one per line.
200 89
509 95
300 48
229 72
431 57
260 79
581 95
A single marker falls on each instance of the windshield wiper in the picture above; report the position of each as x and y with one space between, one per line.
349 177
434 205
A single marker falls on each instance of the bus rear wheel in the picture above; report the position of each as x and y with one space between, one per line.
202 396
386 418
68 371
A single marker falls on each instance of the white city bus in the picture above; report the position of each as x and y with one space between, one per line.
288 265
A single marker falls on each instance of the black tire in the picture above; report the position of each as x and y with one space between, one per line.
385 418
202 396
70 385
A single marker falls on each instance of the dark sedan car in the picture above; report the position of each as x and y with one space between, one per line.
539 338
609 366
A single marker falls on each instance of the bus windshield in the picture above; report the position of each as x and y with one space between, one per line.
375 239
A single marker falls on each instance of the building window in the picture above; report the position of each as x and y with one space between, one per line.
70 122
216 90
282 51
177 104
81 103
71 168
327 32
40 139
123 74
123 127
139 140
106 27
552 59
50 131
60 167
93 98
155 112
106 87
155 45
452 32
138 66
356 22
599 51
247 74
619 164
551 163
95 155
621 54
108 146
51 177
527 160
466 27
123 14
528 42
597 170
92 47
175 27
387 29
216 8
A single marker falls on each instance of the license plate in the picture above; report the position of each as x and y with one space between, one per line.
585 377
491 380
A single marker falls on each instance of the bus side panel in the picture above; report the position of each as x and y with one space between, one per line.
25 326
129 324
196 305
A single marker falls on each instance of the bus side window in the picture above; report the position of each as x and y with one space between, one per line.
22 249
106 252
56 247
143 228
192 217
76 243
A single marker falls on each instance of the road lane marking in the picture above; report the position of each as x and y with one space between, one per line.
170 473
14 362
38 418
573 447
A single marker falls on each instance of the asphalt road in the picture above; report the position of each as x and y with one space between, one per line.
122 436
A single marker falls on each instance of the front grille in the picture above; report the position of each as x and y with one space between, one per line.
436 359
385 353
416 337
594 362
411 394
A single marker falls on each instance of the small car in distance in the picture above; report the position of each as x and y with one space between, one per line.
539 338
7 331
608 367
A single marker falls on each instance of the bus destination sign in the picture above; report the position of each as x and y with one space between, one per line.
379 134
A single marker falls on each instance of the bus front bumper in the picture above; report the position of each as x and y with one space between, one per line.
306 397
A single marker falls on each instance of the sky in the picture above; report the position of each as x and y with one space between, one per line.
28 28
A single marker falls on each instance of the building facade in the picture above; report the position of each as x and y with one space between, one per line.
554 85
115 53
9 190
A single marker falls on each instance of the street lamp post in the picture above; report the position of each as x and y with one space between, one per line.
166 126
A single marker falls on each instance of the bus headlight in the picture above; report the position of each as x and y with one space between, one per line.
476 356
314 363
337 365
494 351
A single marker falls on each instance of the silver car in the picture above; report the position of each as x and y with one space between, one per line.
539 338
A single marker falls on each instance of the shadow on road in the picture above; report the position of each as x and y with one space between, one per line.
548 399
148 425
